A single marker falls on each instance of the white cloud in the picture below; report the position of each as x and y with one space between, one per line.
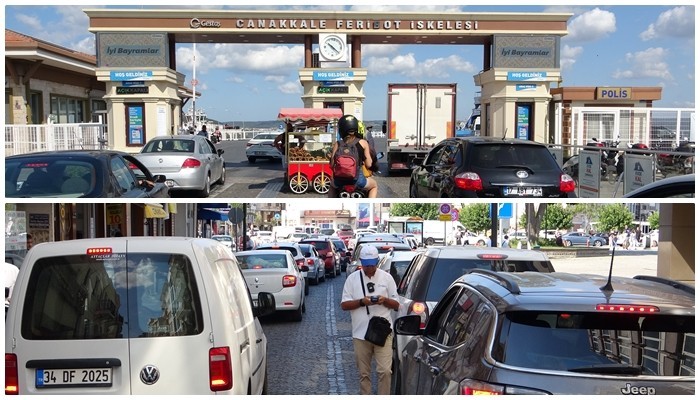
677 22
86 45
569 55
32 23
649 63
407 65
274 78
591 25
379 50
258 59
290 88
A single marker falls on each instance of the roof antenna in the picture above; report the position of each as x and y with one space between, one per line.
505 132
608 286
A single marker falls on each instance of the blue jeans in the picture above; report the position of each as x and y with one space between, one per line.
360 183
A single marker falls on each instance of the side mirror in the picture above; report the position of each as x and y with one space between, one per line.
159 178
384 127
266 305
219 151
408 325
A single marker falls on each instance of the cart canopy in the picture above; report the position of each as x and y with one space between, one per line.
309 114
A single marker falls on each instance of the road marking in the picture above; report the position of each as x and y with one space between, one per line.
336 374
272 189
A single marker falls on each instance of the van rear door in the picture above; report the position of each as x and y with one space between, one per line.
169 329
68 323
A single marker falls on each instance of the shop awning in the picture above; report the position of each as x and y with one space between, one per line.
212 215
154 211
309 114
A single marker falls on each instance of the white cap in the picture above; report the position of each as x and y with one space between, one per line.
369 255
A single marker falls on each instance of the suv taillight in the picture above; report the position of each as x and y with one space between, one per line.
468 181
289 280
419 308
566 183
11 374
474 387
220 370
191 163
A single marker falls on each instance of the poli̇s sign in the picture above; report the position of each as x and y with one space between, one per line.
613 93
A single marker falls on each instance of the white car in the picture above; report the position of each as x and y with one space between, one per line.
227 240
264 237
275 271
262 146
134 316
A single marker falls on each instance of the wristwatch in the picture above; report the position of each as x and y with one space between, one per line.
361 302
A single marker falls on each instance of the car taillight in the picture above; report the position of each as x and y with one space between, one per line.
300 263
419 308
473 387
468 181
11 374
220 370
289 280
566 183
191 163
627 308
310 261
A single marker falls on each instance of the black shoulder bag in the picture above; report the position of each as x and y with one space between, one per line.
379 328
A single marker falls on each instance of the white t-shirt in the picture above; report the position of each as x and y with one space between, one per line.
384 285
10 273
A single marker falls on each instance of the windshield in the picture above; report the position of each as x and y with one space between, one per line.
657 345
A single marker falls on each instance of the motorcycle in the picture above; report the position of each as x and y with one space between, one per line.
351 191
620 157
678 163
216 137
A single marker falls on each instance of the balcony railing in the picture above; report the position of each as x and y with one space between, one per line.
21 139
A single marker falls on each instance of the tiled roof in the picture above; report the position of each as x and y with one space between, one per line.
15 41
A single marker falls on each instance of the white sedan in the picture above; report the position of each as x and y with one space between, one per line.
276 272
262 146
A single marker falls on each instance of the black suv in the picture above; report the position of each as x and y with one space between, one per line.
490 167
557 333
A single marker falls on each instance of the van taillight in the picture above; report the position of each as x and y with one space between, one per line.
191 163
289 280
566 184
220 371
469 181
419 308
11 374
99 251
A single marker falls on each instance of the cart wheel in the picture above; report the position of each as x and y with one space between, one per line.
322 183
298 183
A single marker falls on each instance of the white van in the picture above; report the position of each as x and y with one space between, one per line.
134 315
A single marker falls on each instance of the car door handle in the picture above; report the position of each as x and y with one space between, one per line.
258 341
434 370
244 345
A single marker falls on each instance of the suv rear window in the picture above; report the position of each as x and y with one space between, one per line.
447 270
319 245
292 250
619 344
115 296
500 155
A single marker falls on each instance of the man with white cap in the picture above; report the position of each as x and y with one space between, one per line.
379 297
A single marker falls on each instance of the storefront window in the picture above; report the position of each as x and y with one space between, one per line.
68 110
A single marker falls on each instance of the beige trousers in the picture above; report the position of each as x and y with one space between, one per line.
364 351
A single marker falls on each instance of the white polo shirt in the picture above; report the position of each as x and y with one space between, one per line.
384 285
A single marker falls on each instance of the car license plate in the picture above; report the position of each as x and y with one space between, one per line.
96 377
259 153
169 183
522 191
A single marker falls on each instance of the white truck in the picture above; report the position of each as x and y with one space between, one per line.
439 232
420 115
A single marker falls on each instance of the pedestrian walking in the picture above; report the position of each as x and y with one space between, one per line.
203 132
505 242
638 238
612 240
370 292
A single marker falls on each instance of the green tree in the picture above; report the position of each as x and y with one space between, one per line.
423 210
614 217
475 217
653 220
557 217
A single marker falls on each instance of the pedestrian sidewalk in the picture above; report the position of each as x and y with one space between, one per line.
627 263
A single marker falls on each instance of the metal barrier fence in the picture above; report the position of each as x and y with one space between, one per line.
20 139
600 171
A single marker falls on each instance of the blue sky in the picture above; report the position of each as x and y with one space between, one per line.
621 45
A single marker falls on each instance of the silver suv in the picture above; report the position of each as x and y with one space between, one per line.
558 333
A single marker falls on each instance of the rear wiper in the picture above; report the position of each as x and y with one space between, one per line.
515 166
613 369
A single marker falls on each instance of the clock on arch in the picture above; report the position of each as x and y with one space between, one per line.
332 47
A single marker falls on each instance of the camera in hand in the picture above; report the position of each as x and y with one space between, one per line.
374 299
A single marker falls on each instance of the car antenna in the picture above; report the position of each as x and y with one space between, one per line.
608 285
505 132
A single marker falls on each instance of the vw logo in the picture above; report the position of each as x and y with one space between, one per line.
522 174
149 374
257 280
160 161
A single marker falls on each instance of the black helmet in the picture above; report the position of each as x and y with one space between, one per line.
348 123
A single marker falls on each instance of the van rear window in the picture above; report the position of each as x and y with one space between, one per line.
115 296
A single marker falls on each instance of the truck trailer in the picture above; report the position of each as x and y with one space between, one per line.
420 115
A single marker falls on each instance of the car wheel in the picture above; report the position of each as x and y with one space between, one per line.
597 243
297 315
207 187
412 190
251 160
323 277
306 288
222 180
567 243
429 241
481 242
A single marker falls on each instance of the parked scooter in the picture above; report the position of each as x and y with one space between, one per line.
620 158
677 163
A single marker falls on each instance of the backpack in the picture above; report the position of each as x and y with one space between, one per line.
347 161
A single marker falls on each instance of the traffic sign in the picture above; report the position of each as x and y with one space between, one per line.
445 208
277 216
454 214
505 210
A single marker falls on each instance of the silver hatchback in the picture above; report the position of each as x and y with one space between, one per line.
189 162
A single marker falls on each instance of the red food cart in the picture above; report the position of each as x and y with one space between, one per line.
309 136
